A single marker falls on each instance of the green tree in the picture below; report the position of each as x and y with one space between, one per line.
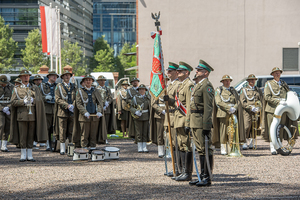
72 55
100 44
126 61
33 56
7 46
105 60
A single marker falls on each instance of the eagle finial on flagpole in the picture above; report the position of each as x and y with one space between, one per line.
156 18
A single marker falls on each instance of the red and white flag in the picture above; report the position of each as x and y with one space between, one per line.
49 30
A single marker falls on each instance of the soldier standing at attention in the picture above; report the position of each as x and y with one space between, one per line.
200 116
65 93
131 92
123 113
140 107
28 118
251 100
181 123
48 91
6 89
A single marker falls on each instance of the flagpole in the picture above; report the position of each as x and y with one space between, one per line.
157 24
59 42
56 24
51 40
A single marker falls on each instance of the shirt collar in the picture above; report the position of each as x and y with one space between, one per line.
174 80
135 87
184 80
67 84
201 81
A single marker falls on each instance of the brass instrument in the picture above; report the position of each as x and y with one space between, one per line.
233 137
138 108
127 107
28 96
255 118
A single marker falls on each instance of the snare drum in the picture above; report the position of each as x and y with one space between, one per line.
111 153
81 154
97 155
71 149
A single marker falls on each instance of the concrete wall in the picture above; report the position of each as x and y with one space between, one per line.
236 37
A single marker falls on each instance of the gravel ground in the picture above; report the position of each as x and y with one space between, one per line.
257 175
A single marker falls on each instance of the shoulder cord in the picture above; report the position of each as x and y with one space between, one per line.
224 100
122 95
17 94
129 93
43 90
278 93
250 99
61 94
84 101
2 96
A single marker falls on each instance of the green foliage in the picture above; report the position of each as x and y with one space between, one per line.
72 55
33 56
100 44
7 47
105 60
127 61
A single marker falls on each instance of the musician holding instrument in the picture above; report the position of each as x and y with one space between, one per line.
123 114
226 103
200 116
28 118
6 89
140 110
64 110
251 100
275 93
89 103
48 92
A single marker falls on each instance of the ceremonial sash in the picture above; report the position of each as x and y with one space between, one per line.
179 104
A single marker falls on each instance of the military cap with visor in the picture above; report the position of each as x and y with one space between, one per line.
184 66
3 79
226 77
24 72
172 66
52 73
204 65
276 69
101 78
251 76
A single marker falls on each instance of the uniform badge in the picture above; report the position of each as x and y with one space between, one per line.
209 89
191 88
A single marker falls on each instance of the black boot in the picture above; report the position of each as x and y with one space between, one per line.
202 163
206 181
187 173
170 174
183 165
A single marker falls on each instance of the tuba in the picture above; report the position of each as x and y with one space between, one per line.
233 136
293 111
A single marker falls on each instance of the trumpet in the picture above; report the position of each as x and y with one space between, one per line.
255 118
233 136
28 91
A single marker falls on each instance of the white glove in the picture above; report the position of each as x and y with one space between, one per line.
163 112
7 112
232 110
283 102
87 115
31 99
138 113
104 108
25 101
71 108
254 109
5 109
48 97
106 104
99 114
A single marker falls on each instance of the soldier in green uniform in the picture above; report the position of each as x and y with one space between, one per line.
89 103
139 108
226 103
251 100
65 93
200 116
48 92
28 118
172 87
6 89
109 111
181 123
122 111
275 93
131 92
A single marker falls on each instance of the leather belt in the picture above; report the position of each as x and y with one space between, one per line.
197 111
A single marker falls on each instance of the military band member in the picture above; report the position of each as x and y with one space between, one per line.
251 100
109 111
65 93
226 103
200 116
6 89
28 118
122 111
172 74
131 92
90 106
48 92
181 123
37 80
275 94
140 107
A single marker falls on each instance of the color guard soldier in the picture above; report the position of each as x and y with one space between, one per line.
6 89
140 107
181 122
131 92
251 100
48 92
226 103
275 94
200 116
172 74
122 111
65 93
28 118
